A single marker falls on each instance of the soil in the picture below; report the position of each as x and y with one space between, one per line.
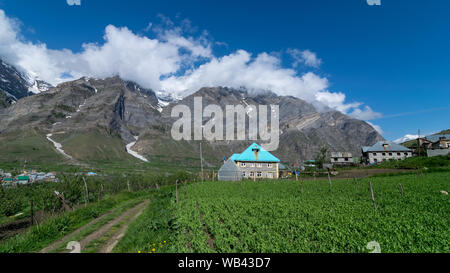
104 229
114 240
56 244
20 226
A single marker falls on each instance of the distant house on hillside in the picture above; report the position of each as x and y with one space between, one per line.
23 179
385 150
341 158
255 162
436 144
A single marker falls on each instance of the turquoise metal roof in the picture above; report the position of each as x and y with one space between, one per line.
255 153
385 146
234 156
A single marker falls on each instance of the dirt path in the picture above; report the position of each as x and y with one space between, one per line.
115 238
130 213
56 244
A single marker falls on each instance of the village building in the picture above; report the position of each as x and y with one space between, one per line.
254 163
341 158
229 171
436 144
23 179
385 150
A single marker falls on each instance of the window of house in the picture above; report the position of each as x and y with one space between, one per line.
398 153
242 164
406 153
252 174
383 154
243 174
346 159
259 165
390 154
258 174
374 154
269 165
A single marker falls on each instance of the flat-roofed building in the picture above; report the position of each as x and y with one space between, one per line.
341 158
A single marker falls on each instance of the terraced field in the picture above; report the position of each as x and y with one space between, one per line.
411 215
289 216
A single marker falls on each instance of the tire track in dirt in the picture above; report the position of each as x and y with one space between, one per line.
57 243
115 238
104 229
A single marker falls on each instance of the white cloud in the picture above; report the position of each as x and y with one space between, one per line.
73 2
174 62
376 127
365 114
239 69
305 57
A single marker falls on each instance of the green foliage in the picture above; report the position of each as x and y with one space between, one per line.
66 108
154 228
57 114
321 157
40 236
16 199
265 216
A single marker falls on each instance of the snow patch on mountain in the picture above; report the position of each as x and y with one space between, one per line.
133 153
58 146
405 138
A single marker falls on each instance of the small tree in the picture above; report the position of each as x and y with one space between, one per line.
321 157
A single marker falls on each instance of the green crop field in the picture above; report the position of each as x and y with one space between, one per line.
281 217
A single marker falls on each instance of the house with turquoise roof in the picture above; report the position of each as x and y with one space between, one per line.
254 163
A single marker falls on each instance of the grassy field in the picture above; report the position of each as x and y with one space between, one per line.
289 217
41 235
27 145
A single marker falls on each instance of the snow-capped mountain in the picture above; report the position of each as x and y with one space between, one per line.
15 84
405 138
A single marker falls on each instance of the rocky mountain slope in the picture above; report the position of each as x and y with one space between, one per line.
15 84
96 118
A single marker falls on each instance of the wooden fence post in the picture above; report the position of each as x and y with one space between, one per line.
329 179
176 189
32 212
401 189
87 192
128 185
372 197
101 192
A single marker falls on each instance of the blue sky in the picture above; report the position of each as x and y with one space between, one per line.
393 58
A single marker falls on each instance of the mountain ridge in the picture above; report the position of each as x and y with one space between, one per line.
113 107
